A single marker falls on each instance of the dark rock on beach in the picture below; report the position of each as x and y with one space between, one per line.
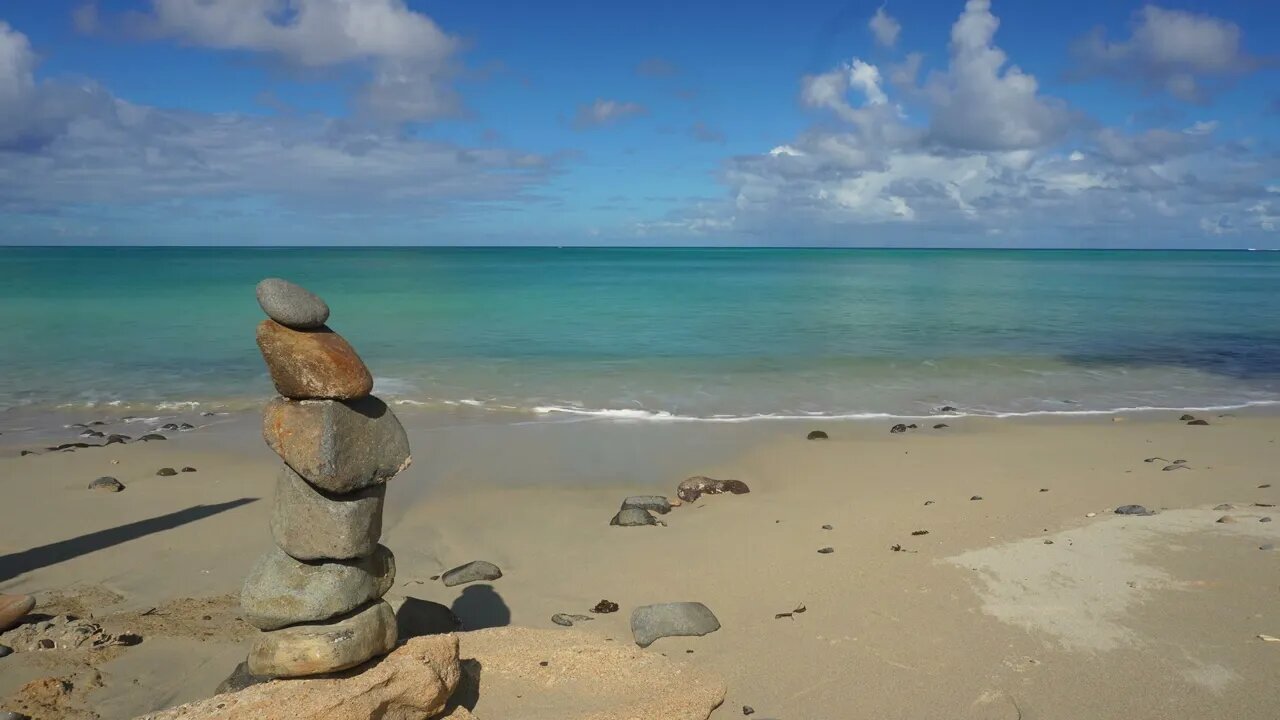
169 426
1187 417
680 619
694 487
113 439
826 550
940 426
899 428
291 305
652 503
947 409
1133 510
633 517
92 434
166 472
107 484
604 607
188 469
568 620
1198 422
151 436
816 435
186 426
976 497
474 571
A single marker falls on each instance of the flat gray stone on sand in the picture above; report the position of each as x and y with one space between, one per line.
474 571
652 503
1133 510
633 517
282 591
310 525
291 305
678 619
339 446
568 620
106 484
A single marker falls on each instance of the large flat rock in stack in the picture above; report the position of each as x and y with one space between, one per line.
312 364
513 672
337 446
412 683
312 525
300 650
283 591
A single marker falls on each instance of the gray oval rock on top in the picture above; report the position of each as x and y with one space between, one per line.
291 305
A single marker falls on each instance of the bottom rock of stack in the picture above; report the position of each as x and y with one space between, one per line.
344 642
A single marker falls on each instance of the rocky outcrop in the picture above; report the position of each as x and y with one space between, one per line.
412 683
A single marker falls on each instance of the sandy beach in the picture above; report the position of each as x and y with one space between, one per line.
1035 601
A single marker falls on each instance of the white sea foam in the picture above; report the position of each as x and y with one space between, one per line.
392 386
177 405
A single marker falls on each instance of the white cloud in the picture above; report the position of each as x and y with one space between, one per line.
977 151
605 112
1168 50
884 27
981 104
410 56
73 145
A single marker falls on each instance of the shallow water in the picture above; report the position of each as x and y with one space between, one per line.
667 334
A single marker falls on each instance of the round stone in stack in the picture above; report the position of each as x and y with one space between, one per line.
312 364
312 525
282 591
292 305
347 641
338 446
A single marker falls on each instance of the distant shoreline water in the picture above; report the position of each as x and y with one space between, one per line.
667 335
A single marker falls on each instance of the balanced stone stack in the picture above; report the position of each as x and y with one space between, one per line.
317 595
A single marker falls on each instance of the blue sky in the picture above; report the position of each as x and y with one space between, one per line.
1020 124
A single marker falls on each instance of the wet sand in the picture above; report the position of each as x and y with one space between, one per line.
1118 616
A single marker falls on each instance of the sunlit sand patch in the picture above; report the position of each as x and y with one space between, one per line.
1079 590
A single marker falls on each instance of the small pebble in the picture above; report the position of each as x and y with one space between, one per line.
939 426
928 502
1044 489
544 663
826 550
166 472
188 469
826 527
1264 486
1265 519
920 532
976 497
605 606
1198 422
748 710
1048 542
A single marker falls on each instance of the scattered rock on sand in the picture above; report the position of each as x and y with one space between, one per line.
826 527
946 409
604 607
106 484
692 488
976 497
1198 422
1133 510
816 435
415 681
940 426
114 438
679 619
568 620
65 632
291 305
282 591
826 550
474 571
188 469
310 525
633 517
325 647
312 364
337 446
652 503
1264 519
166 472
1226 519
13 608
151 436
899 428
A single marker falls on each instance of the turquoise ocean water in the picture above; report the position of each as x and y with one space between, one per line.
661 334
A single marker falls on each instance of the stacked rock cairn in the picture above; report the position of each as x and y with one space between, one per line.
317 595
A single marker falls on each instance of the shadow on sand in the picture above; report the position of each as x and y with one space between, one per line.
18 563
479 607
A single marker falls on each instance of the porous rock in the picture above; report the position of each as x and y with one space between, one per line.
412 683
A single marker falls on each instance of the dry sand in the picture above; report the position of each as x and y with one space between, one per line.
1118 617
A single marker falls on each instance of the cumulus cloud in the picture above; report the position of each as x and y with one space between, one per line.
410 58
74 145
976 150
605 112
1173 51
884 27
